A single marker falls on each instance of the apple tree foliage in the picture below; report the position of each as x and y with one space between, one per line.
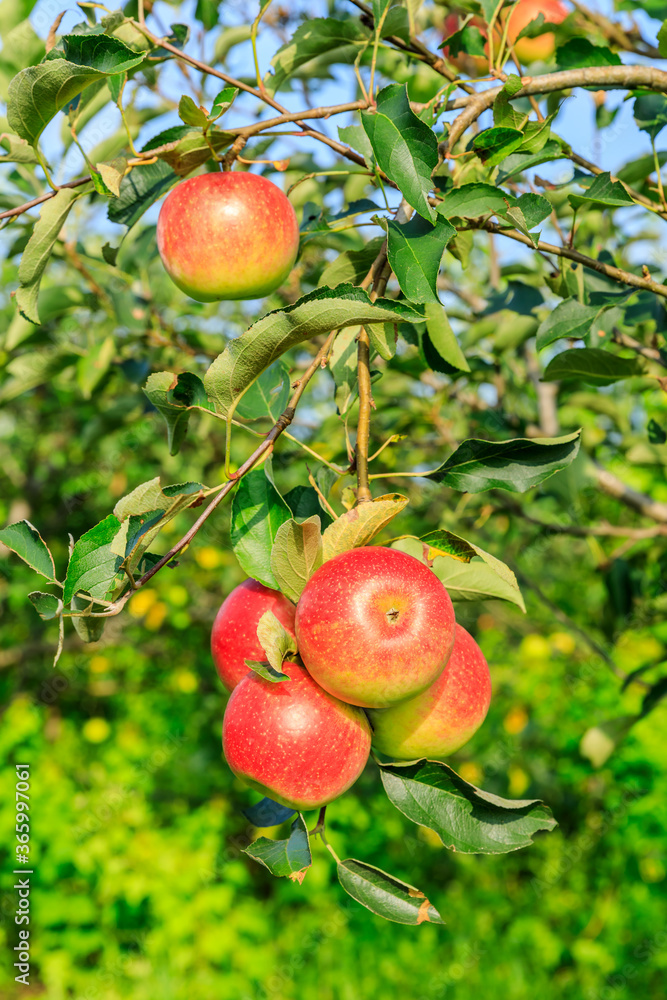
475 324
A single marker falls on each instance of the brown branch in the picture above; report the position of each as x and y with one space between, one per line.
364 418
616 488
626 77
281 424
203 67
652 353
616 34
603 530
615 273
594 169
417 49
43 197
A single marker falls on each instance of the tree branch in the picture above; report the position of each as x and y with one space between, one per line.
624 77
364 419
266 98
616 488
281 424
652 353
615 273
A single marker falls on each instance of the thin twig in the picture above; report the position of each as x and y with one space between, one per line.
615 273
283 421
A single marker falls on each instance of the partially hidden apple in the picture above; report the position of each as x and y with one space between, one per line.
227 235
292 741
464 62
542 47
374 626
527 50
234 633
443 718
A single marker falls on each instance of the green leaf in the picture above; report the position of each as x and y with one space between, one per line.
36 255
297 553
579 52
87 628
656 434
319 312
47 606
351 266
360 525
385 895
465 818
191 113
94 364
343 367
138 190
266 671
223 102
534 209
33 369
493 145
268 395
138 515
184 149
18 150
24 539
355 137
139 525
37 93
603 191
103 53
404 146
468 39
289 858
316 36
415 251
175 397
591 365
442 339
444 543
93 565
304 503
662 40
569 319
504 112
650 113
470 201
258 510
477 578
519 162
267 813
112 173
383 339
516 465
274 639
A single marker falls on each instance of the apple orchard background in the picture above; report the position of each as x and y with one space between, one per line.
142 889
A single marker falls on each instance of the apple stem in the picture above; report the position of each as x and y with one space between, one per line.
319 826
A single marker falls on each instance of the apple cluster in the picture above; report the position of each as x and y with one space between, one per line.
381 663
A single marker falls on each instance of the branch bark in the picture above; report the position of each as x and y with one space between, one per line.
625 77
616 488
615 273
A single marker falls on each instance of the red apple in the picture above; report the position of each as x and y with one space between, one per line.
529 50
227 236
473 66
374 626
292 741
234 634
445 716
